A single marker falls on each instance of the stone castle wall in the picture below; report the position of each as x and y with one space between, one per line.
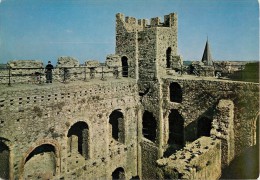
43 115
120 127
200 99
67 68
199 160
31 117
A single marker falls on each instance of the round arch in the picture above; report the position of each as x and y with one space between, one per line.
48 149
78 139
117 125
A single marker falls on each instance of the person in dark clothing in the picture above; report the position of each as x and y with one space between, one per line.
48 71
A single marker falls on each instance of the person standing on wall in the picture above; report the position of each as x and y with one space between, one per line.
48 71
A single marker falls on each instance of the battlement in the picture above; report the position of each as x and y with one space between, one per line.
113 120
66 69
170 20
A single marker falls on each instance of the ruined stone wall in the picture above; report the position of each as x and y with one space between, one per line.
200 99
149 155
223 128
146 44
31 117
167 38
147 54
151 150
153 42
199 160
21 71
126 41
67 69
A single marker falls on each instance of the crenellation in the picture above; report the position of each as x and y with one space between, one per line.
155 22
120 16
132 116
130 20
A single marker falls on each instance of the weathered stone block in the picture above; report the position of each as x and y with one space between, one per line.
67 61
92 63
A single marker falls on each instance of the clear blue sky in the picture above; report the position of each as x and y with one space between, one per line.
85 29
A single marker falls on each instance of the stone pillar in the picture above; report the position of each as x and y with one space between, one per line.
74 144
121 130
223 128
85 144
139 140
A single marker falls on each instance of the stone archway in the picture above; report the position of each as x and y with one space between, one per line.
78 139
40 163
176 128
116 121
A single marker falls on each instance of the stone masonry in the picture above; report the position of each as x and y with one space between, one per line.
131 117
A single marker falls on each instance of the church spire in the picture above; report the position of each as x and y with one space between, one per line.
206 58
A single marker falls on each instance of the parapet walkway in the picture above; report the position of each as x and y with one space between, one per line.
43 85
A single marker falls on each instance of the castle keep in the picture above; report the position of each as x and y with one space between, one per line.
147 122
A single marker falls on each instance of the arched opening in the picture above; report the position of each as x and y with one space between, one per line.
124 61
116 121
176 128
175 92
204 127
78 139
149 126
168 57
119 173
4 161
40 163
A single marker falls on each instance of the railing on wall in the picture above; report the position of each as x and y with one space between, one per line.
9 75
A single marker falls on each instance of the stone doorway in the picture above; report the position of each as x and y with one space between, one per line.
176 128
204 127
175 92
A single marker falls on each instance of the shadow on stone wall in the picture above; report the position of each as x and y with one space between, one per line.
250 73
244 166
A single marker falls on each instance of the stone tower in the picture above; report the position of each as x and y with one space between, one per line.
147 49
152 126
150 50
206 58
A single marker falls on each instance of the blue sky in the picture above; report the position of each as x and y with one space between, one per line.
85 29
